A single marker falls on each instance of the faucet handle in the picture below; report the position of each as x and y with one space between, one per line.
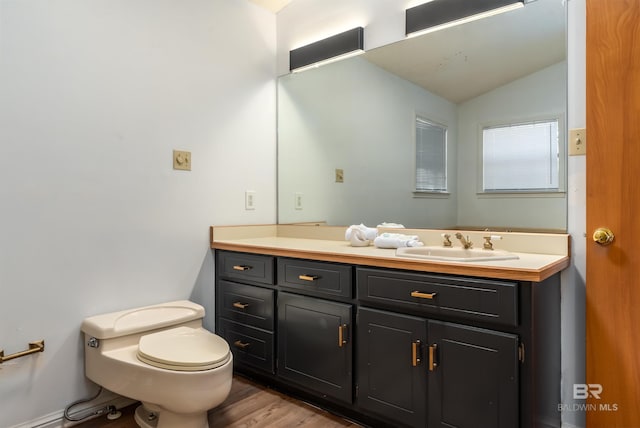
446 241
488 245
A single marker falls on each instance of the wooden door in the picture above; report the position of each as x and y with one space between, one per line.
613 201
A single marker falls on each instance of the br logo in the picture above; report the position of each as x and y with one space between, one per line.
582 391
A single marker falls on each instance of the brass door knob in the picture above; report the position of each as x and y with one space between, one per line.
603 236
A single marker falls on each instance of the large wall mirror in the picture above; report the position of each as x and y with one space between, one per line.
347 130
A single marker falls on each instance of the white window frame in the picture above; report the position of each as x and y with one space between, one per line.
437 193
562 159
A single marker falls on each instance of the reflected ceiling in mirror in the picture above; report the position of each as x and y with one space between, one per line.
356 118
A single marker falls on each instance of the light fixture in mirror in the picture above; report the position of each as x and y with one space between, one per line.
340 46
359 116
436 15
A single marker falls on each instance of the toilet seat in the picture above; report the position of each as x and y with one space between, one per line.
183 349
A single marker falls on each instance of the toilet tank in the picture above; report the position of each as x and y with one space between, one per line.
132 321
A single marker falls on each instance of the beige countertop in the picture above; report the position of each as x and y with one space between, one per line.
539 255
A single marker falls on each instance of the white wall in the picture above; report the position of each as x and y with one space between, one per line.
94 96
358 117
539 95
573 278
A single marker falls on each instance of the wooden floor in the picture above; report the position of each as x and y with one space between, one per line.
248 405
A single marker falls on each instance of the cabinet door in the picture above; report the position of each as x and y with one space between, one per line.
473 377
391 365
314 344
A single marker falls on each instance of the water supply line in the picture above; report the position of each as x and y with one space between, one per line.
110 410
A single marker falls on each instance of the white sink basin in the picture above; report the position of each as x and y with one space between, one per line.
455 254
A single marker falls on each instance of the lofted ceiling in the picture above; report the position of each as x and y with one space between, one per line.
462 62
272 5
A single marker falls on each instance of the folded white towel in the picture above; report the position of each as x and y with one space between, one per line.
397 240
358 239
391 225
369 233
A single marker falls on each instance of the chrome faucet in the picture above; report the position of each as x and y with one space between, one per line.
466 243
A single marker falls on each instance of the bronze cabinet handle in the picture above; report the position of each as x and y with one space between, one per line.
240 305
241 267
240 344
342 335
416 353
433 363
421 295
308 277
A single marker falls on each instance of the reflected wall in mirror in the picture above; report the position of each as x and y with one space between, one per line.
358 116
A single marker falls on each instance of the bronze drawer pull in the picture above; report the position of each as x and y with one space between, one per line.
308 277
432 357
239 344
342 340
240 305
241 267
422 295
416 353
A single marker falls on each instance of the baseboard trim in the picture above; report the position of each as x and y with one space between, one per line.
57 420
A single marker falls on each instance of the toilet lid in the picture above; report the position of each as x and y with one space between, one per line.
183 349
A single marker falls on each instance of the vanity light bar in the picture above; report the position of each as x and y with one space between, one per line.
439 14
339 46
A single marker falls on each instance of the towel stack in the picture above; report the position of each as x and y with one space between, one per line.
397 240
360 235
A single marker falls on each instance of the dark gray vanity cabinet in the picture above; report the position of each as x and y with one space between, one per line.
245 310
474 352
395 348
315 344
464 376
315 323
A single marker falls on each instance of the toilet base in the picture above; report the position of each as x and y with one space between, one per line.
164 419
145 418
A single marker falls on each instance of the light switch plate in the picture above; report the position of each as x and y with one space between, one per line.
297 201
577 142
250 200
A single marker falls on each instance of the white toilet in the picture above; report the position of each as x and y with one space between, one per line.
162 356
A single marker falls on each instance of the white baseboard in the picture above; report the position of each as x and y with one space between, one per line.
57 420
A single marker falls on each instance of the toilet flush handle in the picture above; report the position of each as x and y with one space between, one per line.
93 343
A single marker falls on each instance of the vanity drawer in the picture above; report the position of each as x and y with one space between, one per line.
246 304
250 346
245 267
315 278
484 300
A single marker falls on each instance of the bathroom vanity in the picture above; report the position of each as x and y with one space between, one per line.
390 341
